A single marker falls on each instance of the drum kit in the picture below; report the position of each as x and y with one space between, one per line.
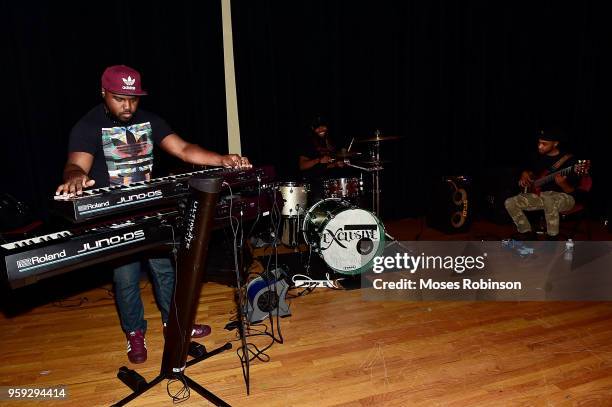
344 235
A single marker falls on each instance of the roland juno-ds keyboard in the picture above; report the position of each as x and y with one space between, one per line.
119 199
29 260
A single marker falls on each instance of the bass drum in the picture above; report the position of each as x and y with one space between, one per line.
346 237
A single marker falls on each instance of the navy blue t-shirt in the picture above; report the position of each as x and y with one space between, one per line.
123 152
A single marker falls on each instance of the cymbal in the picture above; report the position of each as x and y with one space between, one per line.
346 154
370 162
377 138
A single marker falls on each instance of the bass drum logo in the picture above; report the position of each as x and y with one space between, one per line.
350 240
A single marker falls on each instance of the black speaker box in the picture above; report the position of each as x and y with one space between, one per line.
450 204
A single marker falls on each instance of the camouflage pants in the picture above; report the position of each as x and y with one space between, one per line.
551 202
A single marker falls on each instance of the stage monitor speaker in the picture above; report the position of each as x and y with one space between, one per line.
450 204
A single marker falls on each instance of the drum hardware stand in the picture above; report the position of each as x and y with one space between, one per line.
375 182
375 160
397 242
189 276
375 152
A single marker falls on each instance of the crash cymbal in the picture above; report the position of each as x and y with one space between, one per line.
377 138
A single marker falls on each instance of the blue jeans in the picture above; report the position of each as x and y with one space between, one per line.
127 292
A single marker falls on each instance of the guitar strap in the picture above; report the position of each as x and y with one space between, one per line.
559 163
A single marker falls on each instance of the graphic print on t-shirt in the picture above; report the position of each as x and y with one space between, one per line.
128 152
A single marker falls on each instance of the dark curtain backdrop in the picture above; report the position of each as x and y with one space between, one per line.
466 83
53 54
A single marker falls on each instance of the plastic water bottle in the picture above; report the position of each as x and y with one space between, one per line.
568 254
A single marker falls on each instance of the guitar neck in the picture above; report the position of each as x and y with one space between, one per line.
548 178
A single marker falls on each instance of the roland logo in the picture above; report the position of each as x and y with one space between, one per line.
35 260
96 205
113 241
143 195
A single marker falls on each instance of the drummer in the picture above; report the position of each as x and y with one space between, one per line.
317 159
317 151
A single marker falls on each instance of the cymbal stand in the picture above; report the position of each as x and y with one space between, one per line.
375 154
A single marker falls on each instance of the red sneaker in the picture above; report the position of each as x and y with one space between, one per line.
136 347
197 330
200 331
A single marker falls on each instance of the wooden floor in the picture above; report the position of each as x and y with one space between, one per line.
338 349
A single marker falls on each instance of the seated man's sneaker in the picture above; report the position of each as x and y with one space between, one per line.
136 347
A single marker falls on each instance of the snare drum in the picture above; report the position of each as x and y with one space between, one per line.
342 187
346 237
295 198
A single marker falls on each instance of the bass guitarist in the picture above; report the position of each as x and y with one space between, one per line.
554 196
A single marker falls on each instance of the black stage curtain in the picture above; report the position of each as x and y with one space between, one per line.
466 83
54 53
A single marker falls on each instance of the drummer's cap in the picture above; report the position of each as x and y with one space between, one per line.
318 121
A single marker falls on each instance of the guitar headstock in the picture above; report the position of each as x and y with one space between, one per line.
582 167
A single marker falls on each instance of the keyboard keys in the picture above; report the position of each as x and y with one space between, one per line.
36 240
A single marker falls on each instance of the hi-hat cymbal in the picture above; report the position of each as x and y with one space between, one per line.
370 162
346 154
377 138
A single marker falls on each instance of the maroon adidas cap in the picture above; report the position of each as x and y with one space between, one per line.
122 80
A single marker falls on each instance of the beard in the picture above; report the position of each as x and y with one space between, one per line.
117 119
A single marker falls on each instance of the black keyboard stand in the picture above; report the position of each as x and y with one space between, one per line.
190 272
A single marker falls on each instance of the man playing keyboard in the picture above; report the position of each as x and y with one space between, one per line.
113 144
